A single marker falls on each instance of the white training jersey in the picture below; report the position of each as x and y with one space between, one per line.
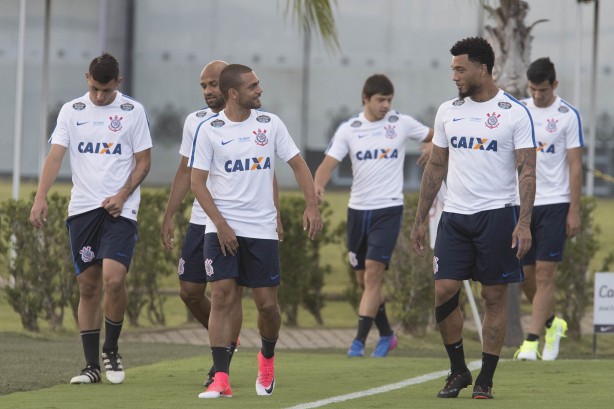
240 159
377 153
482 138
102 141
187 141
557 128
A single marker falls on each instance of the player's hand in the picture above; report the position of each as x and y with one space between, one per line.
425 154
168 233
312 221
38 214
572 227
418 234
521 239
228 239
114 205
320 194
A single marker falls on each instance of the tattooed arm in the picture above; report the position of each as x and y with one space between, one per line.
525 163
434 172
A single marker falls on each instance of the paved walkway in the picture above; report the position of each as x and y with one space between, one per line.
289 338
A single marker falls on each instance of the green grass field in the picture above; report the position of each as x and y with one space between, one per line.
307 377
36 367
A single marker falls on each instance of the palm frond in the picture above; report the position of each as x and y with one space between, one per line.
316 14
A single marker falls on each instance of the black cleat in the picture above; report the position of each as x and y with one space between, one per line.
482 392
454 383
210 376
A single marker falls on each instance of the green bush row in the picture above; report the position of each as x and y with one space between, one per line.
42 284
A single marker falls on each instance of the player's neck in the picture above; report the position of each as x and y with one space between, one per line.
236 113
487 93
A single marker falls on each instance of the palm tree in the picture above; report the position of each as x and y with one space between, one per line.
511 39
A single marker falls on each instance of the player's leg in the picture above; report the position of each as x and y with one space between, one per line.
117 243
496 266
115 302
223 293
84 231
192 277
493 334
269 323
549 255
261 272
383 232
89 313
222 272
453 261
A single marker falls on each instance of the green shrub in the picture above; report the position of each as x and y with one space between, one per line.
39 261
151 260
410 285
573 279
302 272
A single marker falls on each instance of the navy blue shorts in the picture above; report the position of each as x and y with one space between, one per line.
478 247
255 265
372 234
96 235
548 230
192 262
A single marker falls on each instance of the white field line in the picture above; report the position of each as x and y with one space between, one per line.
382 389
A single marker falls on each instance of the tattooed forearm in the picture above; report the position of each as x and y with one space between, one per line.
525 163
138 174
434 172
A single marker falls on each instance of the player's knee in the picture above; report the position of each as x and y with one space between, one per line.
268 309
442 311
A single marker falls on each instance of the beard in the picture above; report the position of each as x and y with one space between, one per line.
250 103
471 90
218 103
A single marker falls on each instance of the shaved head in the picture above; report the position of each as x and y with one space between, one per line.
209 82
214 68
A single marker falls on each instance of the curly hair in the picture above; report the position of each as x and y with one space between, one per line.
477 49
541 70
104 68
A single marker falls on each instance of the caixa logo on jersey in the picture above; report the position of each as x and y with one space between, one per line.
103 148
470 142
241 165
377 154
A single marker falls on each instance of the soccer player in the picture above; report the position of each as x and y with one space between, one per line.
484 138
375 139
109 144
236 150
556 215
191 268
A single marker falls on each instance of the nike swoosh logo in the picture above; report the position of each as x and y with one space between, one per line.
362 136
227 142
605 329
275 277
456 119
269 390
121 255
81 123
554 254
507 274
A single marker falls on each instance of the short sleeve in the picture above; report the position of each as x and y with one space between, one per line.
440 138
